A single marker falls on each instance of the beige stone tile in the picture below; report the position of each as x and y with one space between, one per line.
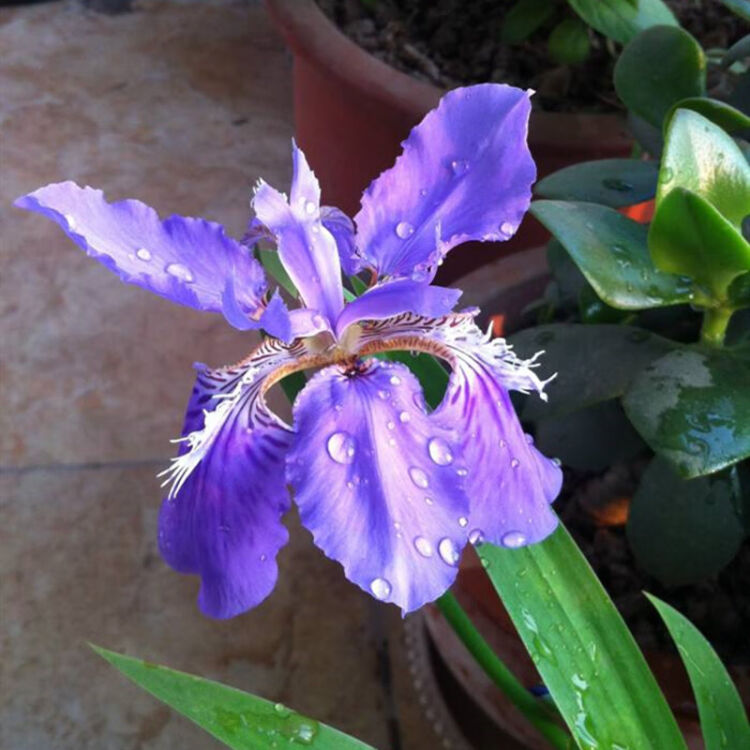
79 562
183 105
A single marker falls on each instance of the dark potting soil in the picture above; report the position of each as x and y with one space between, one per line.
719 607
452 43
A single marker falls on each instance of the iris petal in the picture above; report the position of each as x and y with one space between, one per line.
465 174
379 482
183 259
342 229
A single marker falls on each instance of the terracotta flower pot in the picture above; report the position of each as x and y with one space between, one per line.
352 111
509 285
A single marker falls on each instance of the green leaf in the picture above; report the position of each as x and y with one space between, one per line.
612 252
683 530
568 42
593 310
621 20
615 353
611 182
739 7
720 113
240 720
699 156
565 272
585 654
657 69
739 292
693 408
722 716
432 376
689 236
524 18
273 266
738 51
292 384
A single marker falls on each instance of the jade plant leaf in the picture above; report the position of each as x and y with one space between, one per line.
593 310
615 353
612 252
611 182
722 715
740 7
720 113
738 51
568 42
693 408
622 20
658 68
585 654
239 720
524 18
682 531
564 271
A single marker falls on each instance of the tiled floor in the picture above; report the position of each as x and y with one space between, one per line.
183 104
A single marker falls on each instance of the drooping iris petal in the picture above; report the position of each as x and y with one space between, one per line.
183 259
465 174
509 482
379 482
275 318
306 248
342 229
224 521
395 297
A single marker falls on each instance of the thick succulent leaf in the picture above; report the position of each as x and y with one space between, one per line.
693 407
611 182
658 68
720 113
684 530
568 42
585 654
739 291
239 720
722 715
740 7
622 20
738 51
524 18
612 252
615 353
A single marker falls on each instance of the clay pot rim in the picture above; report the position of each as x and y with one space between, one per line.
311 35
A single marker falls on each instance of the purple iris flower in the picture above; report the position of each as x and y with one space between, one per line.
390 489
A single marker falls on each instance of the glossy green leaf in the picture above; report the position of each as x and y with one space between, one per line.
699 156
689 236
239 720
585 654
615 353
658 68
693 408
740 7
682 531
622 20
594 310
738 51
611 182
273 266
723 719
739 291
568 42
612 252
524 18
564 271
720 113
432 376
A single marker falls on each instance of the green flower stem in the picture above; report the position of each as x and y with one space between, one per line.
539 714
714 328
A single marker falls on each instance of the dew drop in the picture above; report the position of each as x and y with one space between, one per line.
514 463
448 551
70 221
281 710
404 417
419 477
513 539
380 588
383 394
476 536
404 229
440 451
391 425
459 166
463 522
341 447
506 228
143 253
180 272
429 501
309 208
462 472
666 175
395 380
423 546
503 444
529 439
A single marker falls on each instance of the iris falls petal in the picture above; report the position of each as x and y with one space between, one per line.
379 482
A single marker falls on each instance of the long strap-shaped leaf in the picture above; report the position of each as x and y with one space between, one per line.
240 720
585 654
723 719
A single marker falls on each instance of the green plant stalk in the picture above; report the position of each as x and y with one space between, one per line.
536 712
714 328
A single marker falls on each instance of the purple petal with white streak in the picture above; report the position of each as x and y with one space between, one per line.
378 482
342 229
465 174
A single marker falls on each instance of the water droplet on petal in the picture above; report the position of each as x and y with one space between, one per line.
462 472
440 451
503 444
309 208
463 522
383 394
70 221
418 400
449 552
419 477
404 417
429 501
423 546
506 229
380 588
423 192
143 253
459 166
179 272
404 229
514 463
513 539
395 380
529 439
391 425
342 447
476 536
